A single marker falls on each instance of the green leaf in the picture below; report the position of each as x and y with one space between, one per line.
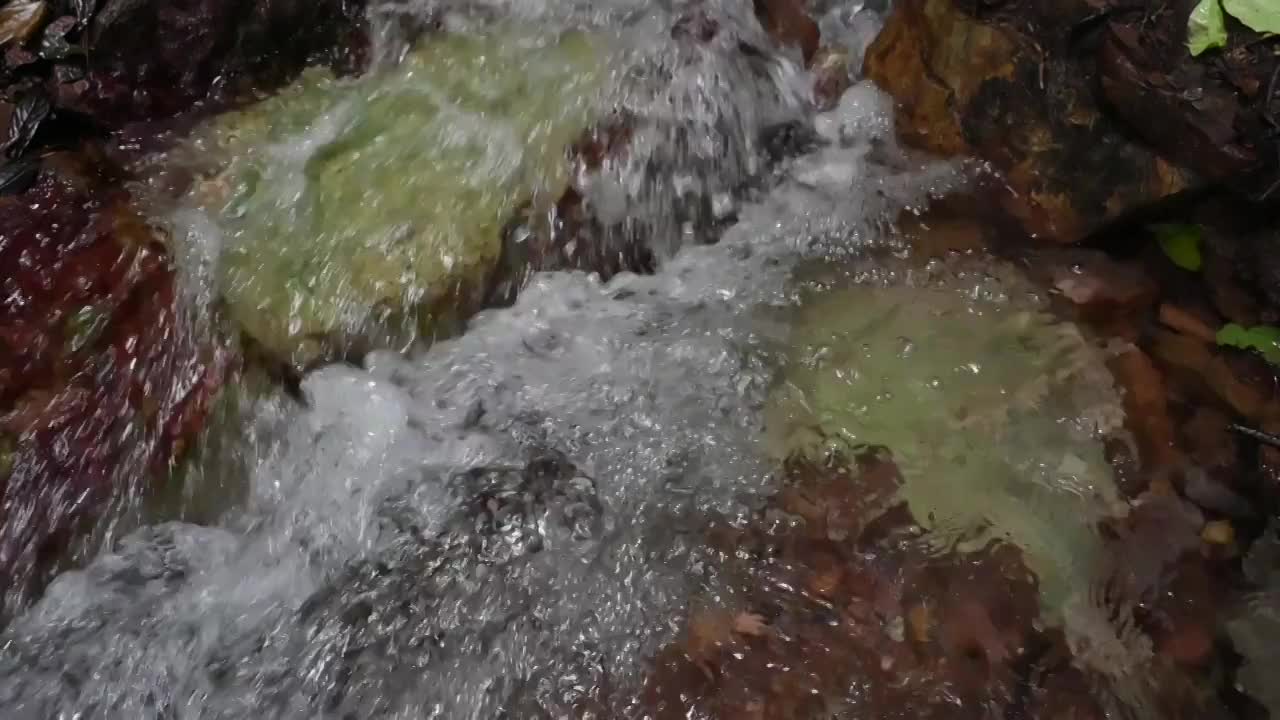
1207 27
1181 243
1260 15
1263 338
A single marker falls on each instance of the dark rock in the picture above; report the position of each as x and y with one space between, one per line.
1179 111
156 59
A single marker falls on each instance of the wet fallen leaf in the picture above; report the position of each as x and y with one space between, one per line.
20 20
17 176
1207 27
1265 339
54 44
27 116
1260 15
1181 243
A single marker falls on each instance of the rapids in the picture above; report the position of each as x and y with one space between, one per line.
505 523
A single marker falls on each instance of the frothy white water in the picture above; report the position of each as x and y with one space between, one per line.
490 525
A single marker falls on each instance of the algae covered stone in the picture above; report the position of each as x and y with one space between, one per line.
359 208
991 409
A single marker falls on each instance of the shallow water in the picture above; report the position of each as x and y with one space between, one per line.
511 523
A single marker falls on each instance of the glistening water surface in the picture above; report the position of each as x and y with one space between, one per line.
793 473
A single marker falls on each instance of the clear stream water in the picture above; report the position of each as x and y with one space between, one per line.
354 579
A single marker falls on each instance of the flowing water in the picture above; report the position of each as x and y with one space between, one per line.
510 523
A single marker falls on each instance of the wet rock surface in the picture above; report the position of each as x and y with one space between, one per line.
101 381
1092 111
821 618
116 61
830 596
394 228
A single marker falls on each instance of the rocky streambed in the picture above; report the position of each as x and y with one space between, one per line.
632 361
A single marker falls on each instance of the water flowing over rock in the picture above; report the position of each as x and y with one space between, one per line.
649 387
349 205
965 381
101 377
823 456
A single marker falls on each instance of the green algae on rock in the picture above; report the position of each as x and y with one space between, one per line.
991 409
369 207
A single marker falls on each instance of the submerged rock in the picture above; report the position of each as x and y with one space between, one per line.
802 623
375 207
994 412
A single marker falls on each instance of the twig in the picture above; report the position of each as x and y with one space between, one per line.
1262 437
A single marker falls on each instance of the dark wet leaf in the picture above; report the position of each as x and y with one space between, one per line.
20 20
17 176
31 111
54 44
16 56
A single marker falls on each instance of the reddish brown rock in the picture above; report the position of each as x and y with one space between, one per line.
1009 88
154 59
1110 294
99 381
788 23
1189 322
1146 407
913 633
1238 381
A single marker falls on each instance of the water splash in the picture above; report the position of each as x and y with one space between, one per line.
304 601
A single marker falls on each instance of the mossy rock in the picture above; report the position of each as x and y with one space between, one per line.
372 207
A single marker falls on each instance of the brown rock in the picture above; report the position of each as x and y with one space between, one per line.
788 23
1237 380
152 58
1018 98
933 236
1189 645
1100 287
1147 409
